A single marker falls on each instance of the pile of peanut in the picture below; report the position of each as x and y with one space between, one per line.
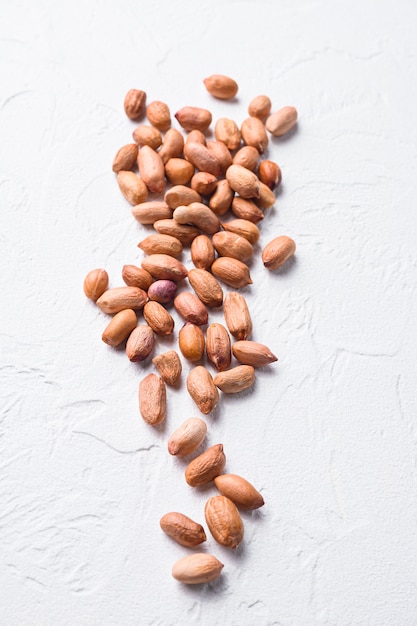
198 181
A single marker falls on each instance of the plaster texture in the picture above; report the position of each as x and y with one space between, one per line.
328 435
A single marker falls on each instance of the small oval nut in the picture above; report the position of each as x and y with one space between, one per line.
204 183
191 342
239 491
224 521
150 212
161 244
169 366
151 170
205 467
179 171
248 157
197 568
253 353
227 131
125 158
277 252
152 399
236 379
132 187
244 228
202 252
243 181
180 195
220 86
95 284
187 437
164 266
206 287
134 103
202 389
194 118
158 318
119 298
254 134
140 343
260 107
218 347
246 209
146 135
232 245
136 277
232 272
159 115
182 529
266 196
162 291
172 145
282 121
237 316
221 199
202 158
120 327
269 173
183 232
191 308
199 215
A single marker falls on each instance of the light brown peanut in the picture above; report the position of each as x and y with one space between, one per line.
260 106
221 199
202 389
119 298
164 266
244 228
172 145
184 232
248 157
254 134
145 135
198 214
158 318
179 195
218 347
134 103
253 353
233 245
227 131
221 153
246 209
243 181
159 115
150 212
232 272
179 171
206 287
182 529
201 157
120 327
125 158
205 467
224 521
197 568
136 277
237 316
169 366
220 86
239 491
152 399
161 244
140 343
202 252
194 118
236 379
277 252
282 121
191 308
151 169
187 437
95 283
269 173
204 183
132 187
191 342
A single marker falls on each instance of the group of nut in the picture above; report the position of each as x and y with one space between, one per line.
206 180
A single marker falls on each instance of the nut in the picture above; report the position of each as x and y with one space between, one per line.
227 132
150 212
232 272
145 135
246 210
163 266
158 318
260 106
95 283
151 169
191 308
218 347
202 252
120 327
253 353
237 316
221 153
132 187
244 228
277 251
140 343
172 145
125 158
221 199
204 183
119 298
185 233
202 389
222 87
254 134
178 171
206 287
269 173
243 181
235 380
232 245
266 196
199 215
205 467
180 195
182 529
194 118
161 244
134 104
191 342
158 114
136 277
187 437
197 568
282 121
152 399
201 157
162 291
239 491
248 157
196 135
224 521
169 366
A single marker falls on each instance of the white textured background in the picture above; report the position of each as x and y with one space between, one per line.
328 434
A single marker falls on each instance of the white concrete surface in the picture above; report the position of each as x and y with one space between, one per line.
328 435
